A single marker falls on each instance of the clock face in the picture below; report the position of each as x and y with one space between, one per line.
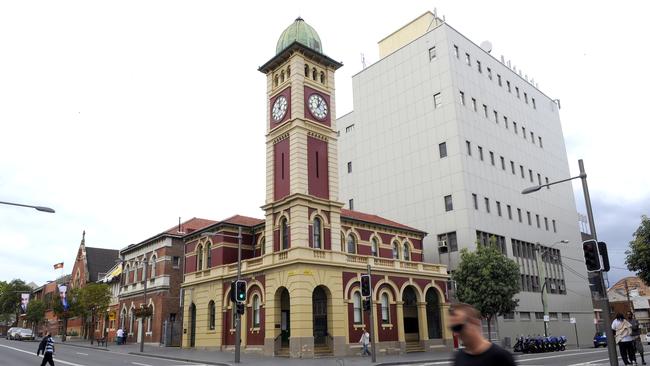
317 106
279 108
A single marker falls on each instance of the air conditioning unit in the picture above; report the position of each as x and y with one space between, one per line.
442 244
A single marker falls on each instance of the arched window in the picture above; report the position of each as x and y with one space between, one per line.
126 275
284 228
211 315
131 321
199 257
152 270
149 318
306 70
317 233
288 71
395 250
209 255
282 76
313 74
342 242
123 319
352 244
385 317
262 245
407 252
256 311
357 307
374 247
275 80
322 77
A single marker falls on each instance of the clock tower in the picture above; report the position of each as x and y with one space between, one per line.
302 208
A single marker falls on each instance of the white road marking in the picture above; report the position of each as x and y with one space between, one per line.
79 353
589 362
32 353
556 356
141 364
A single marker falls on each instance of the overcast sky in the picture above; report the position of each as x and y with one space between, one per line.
125 115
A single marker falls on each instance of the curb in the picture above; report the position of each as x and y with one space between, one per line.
83 346
179 359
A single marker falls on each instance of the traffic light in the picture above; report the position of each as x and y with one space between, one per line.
233 290
592 259
366 304
365 285
240 308
602 248
240 291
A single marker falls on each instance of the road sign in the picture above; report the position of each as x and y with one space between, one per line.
572 320
546 318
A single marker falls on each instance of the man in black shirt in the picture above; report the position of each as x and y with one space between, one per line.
465 321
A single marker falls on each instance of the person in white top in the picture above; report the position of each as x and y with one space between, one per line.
365 341
623 333
120 335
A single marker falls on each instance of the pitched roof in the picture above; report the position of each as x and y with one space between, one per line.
100 260
190 225
374 219
243 220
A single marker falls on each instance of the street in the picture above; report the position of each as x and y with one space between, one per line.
13 353
579 357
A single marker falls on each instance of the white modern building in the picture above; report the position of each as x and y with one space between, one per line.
444 137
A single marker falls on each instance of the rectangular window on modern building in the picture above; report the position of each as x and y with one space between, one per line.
351 203
432 53
489 73
509 208
539 315
487 204
517 91
449 205
526 97
566 317
485 111
508 85
456 51
505 121
534 105
349 167
469 148
499 208
530 221
519 214
503 163
437 100
442 148
540 141
523 131
521 169
496 117
468 60
509 316
514 125
539 179
547 187
537 221
478 65
524 315
475 199
450 240
474 104
480 153
462 98
532 137
492 158
512 167
546 223
530 174
499 80
554 227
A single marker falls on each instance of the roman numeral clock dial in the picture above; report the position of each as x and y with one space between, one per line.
317 106
279 108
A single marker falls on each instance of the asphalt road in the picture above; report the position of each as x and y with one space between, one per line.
577 357
15 353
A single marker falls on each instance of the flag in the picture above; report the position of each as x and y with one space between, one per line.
58 265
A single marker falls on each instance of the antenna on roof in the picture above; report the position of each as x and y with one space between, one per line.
363 60
180 228
503 60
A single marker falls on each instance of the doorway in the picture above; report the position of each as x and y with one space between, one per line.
411 326
285 317
319 306
192 325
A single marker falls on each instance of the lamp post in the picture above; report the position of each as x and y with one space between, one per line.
541 271
37 208
611 346
237 315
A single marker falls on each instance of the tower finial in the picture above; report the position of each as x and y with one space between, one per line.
83 238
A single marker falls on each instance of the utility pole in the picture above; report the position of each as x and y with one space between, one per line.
373 354
237 315
541 272
611 345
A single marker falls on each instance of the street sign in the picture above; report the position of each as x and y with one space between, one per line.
546 318
572 320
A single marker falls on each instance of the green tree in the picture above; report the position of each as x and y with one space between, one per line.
93 300
487 280
638 256
36 312
10 297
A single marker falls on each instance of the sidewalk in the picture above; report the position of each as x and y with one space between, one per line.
227 358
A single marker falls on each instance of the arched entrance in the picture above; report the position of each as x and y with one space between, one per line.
433 314
192 325
319 306
285 316
410 307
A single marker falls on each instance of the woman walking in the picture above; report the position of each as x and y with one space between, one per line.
622 331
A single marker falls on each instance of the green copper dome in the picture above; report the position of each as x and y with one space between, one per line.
300 32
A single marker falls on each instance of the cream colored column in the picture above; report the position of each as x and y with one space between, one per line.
400 322
422 321
299 226
377 324
444 320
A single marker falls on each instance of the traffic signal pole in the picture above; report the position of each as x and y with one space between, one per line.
237 315
373 354
611 344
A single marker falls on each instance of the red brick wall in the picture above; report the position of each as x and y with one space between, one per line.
317 168
281 171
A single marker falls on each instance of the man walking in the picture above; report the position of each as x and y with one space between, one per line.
365 341
47 347
120 335
465 321
636 334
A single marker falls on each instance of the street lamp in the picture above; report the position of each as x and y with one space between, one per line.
145 262
611 346
38 208
237 316
541 270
